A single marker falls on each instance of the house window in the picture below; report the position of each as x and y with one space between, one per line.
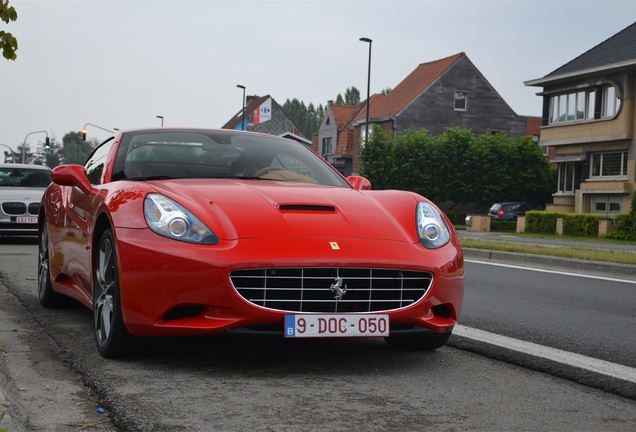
461 100
326 147
581 105
609 164
611 103
566 178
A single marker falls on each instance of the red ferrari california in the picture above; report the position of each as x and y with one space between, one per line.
170 232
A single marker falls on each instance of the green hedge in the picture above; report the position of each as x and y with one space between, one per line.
574 224
502 226
541 222
456 217
581 225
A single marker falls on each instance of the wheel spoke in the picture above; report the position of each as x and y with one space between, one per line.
104 286
43 261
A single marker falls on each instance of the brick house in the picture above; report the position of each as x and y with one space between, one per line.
589 119
450 92
263 114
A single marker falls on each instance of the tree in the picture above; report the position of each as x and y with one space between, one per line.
29 156
386 91
8 43
352 96
307 118
458 167
52 157
74 149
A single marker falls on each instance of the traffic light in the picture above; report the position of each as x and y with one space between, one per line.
47 144
84 132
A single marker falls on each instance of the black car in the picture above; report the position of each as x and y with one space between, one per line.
509 211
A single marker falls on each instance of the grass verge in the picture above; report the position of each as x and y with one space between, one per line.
576 252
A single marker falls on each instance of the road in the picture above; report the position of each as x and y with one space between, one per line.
56 380
589 316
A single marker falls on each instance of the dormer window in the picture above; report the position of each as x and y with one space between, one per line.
461 100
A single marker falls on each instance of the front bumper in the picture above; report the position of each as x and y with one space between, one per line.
171 288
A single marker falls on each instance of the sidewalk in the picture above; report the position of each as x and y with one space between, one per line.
508 237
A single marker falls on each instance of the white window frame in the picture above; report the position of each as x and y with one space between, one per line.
611 102
465 99
579 105
623 168
562 180
326 149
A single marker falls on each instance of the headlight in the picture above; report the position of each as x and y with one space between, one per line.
169 219
431 227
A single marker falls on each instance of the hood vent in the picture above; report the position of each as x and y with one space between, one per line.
306 207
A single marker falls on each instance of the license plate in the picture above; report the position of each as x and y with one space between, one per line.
26 219
335 325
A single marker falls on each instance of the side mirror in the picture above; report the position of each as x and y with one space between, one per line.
359 183
71 175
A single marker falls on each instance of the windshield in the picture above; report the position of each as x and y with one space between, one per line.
24 177
219 154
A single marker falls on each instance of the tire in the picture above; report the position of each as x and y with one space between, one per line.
418 343
111 337
48 298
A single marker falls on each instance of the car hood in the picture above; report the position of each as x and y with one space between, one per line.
257 209
21 193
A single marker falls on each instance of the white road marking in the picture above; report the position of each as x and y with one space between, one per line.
603 367
604 278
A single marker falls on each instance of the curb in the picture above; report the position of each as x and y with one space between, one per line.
554 263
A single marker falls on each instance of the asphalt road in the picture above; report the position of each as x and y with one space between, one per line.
53 379
589 316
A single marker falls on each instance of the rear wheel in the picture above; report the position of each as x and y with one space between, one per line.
111 336
428 342
48 298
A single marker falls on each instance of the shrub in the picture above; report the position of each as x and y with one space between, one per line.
541 222
581 225
456 217
503 226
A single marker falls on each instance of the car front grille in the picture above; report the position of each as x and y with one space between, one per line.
14 208
310 289
33 208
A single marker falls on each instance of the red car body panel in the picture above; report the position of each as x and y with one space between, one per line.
260 224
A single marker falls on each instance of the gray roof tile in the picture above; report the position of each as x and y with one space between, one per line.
618 49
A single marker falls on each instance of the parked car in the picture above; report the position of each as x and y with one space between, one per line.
509 211
21 189
169 232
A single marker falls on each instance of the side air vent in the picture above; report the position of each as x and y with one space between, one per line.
306 207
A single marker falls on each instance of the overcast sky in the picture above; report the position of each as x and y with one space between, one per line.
120 64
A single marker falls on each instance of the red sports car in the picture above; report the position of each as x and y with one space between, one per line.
168 232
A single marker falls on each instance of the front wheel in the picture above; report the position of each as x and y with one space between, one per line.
48 298
111 336
428 342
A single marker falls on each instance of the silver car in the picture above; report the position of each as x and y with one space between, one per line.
21 190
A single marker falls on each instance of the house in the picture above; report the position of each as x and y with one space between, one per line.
334 141
262 114
450 92
589 119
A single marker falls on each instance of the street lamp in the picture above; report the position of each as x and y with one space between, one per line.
161 117
99 127
24 143
366 134
13 158
243 122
